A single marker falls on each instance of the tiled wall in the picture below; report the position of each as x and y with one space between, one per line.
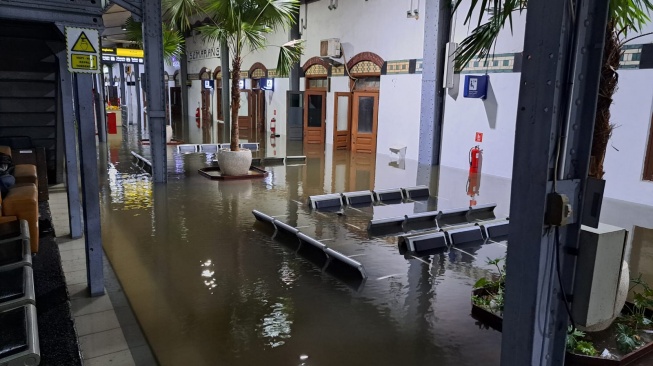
639 56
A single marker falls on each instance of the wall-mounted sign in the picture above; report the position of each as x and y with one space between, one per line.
476 86
479 137
208 84
175 62
202 50
126 55
82 48
266 84
241 84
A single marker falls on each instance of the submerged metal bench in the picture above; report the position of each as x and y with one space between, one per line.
312 250
358 198
496 230
325 201
417 193
142 162
19 344
209 148
424 244
380 227
469 235
389 195
421 221
186 148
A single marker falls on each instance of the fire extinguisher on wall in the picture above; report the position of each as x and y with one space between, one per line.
474 179
273 126
475 159
197 117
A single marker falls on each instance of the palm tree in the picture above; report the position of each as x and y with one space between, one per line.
243 26
173 41
626 16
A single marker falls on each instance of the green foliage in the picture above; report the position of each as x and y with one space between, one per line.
494 300
586 348
173 41
628 16
641 302
573 336
627 339
577 344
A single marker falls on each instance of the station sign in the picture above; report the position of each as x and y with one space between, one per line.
126 55
83 50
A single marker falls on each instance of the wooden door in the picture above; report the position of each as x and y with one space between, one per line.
258 115
207 123
176 110
365 120
245 114
314 117
342 125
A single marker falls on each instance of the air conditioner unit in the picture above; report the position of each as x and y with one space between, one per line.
330 47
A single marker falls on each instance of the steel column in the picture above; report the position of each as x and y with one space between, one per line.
296 68
559 88
90 186
70 146
437 29
156 114
139 109
226 90
99 109
123 97
185 108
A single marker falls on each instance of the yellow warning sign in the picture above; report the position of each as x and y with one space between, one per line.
83 44
84 62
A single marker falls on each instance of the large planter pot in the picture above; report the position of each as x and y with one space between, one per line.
235 162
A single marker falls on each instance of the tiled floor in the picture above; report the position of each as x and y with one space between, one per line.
101 339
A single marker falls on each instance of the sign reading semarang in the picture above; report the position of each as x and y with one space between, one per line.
83 50
201 50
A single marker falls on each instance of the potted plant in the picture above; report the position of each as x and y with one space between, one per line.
243 26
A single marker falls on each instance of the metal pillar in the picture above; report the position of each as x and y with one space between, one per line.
99 109
90 186
139 108
156 113
185 108
559 88
123 97
70 146
296 68
437 29
226 90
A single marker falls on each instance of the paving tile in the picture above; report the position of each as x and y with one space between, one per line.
96 322
76 277
79 291
133 335
73 266
122 358
90 305
102 343
70 255
71 245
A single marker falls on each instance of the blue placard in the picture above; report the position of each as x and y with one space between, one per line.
476 86
266 84
208 84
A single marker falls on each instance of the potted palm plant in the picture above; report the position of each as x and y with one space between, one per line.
243 26
626 16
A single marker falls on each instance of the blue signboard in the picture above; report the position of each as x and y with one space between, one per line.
266 84
476 86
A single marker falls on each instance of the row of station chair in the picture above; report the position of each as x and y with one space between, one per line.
19 343
439 241
366 198
213 148
330 261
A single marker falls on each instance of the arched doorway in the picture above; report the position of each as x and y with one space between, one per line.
316 73
219 109
176 109
254 126
205 110
365 84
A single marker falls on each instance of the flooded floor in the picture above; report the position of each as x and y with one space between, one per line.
209 286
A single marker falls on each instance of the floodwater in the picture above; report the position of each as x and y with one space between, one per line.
209 285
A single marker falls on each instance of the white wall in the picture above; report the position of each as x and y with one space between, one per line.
399 113
494 117
378 26
631 113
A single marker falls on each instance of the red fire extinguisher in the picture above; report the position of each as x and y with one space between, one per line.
197 117
475 159
273 126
